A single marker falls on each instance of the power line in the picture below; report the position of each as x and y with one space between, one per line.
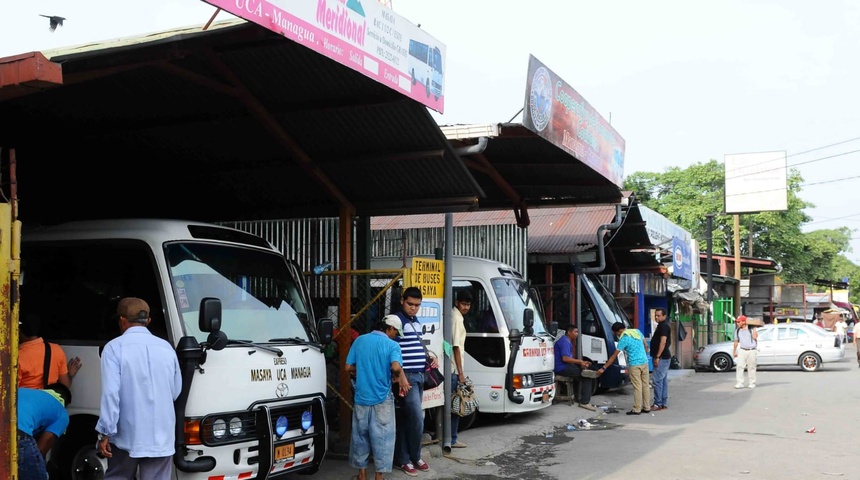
792 165
799 153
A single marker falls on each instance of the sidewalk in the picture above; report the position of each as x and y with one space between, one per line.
485 443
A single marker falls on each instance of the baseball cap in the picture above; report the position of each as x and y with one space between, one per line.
741 317
394 321
133 309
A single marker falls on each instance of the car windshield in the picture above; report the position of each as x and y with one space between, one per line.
514 298
259 299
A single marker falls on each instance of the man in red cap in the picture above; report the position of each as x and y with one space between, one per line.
746 355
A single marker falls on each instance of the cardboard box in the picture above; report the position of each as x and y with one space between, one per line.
755 322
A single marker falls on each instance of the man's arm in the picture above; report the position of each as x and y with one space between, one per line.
399 376
350 369
609 361
45 441
660 349
735 346
458 360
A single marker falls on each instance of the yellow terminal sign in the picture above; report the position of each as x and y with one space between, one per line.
428 275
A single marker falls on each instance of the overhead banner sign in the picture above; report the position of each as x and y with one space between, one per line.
756 182
557 113
682 262
364 36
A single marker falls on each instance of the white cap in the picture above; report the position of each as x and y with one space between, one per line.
394 321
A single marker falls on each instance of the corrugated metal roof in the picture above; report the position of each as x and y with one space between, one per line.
567 230
235 122
552 230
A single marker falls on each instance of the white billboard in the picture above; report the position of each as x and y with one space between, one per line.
756 182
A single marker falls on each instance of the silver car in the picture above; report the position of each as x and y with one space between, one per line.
801 344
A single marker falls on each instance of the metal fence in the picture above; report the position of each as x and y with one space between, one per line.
374 294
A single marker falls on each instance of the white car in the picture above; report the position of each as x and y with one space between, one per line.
801 344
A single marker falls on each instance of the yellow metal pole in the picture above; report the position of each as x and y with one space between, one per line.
8 349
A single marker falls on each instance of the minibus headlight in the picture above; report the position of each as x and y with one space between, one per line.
235 426
219 429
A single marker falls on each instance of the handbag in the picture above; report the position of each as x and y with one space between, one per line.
463 402
433 378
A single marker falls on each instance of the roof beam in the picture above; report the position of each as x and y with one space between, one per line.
268 121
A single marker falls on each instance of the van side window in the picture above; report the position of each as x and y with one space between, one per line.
75 287
488 351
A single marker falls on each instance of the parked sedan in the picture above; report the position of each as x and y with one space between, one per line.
799 344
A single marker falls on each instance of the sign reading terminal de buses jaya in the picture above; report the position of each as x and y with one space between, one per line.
362 35
557 113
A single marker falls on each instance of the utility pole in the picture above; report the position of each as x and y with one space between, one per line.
709 233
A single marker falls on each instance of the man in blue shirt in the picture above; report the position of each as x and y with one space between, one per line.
140 381
632 343
568 365
42 418
410 420
373 424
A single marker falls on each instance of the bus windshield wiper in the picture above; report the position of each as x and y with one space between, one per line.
275 350
296 340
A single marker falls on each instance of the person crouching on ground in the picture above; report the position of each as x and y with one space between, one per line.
630 341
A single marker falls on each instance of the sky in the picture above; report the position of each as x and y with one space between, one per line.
681 81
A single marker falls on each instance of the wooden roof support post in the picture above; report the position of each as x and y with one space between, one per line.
344 311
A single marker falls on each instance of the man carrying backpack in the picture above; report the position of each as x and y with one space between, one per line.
745 353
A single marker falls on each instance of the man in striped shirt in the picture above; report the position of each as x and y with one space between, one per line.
410 418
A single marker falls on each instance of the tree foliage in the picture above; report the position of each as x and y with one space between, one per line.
686 196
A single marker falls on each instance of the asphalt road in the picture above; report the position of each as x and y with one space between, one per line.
710 431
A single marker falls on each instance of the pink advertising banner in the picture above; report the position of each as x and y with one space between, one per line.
362 35
557 113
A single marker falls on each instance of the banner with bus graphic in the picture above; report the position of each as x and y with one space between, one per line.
364 36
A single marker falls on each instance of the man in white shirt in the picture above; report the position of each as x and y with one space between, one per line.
840 328
458 344
140 381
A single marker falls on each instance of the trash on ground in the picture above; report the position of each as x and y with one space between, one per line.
811 430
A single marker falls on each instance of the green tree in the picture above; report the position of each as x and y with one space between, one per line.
686 195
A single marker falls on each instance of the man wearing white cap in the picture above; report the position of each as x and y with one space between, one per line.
375 360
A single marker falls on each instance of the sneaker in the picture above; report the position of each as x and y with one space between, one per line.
632 412
588 406
752 385
740 385
589 373
408 469
422 465
459 445
655 408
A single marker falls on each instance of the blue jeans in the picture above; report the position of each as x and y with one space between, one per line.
410 422
31 464
661 382
373 431
455 419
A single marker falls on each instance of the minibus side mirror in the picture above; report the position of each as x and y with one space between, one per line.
553 328
210 315
325 328
528 321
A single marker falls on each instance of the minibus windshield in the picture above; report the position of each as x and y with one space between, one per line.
514 298
259 299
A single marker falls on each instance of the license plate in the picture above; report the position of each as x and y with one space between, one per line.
545 398
284 452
